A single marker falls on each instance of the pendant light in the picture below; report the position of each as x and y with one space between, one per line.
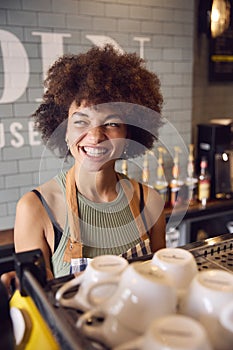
220 17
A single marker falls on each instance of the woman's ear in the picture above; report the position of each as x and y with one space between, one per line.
67 141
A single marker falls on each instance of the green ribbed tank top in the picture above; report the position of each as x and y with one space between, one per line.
106 228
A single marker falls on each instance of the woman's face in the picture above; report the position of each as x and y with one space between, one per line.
96 135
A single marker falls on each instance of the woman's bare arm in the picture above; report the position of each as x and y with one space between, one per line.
33 228
155 207
158 234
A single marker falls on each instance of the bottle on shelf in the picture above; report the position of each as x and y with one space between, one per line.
145 169
204 182
124 167
176 182
161 185
191 180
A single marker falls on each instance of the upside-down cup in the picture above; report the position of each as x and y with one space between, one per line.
89 293
144 293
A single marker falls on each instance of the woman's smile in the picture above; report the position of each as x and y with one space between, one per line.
94 152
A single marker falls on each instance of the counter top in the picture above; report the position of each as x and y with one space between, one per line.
209 254
196 209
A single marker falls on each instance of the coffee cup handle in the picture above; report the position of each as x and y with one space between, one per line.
69 302
93 331
90 299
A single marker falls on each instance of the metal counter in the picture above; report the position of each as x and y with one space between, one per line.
213 253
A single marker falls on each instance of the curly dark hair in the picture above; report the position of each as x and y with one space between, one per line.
101 75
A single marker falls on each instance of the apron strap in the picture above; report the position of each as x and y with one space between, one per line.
74 247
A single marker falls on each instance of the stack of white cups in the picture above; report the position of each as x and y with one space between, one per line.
209 300
172 332
161 304
144 293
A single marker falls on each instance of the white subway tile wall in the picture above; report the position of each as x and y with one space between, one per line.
160 31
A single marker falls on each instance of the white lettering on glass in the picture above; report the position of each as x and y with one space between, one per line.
141 40
2 136
51 49
19 140
16 72
15 67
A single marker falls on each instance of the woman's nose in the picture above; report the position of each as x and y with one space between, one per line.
96 134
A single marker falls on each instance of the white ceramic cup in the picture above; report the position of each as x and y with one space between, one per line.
101 268
171 332
224 335
145 292
209 292
180 265
230 226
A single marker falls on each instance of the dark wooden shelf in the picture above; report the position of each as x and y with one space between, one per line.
196 209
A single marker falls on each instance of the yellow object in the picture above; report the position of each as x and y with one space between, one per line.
190 168
124 167
145 170
160 170
37 335
161 185
176 166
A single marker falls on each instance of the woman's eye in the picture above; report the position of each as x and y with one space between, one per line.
112 124
80 123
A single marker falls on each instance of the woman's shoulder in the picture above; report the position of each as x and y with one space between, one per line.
147 189
152 199
28 206
151 191
47 198
44 191
26 200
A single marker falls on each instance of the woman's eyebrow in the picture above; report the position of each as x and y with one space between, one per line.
79 114
108 117
114 115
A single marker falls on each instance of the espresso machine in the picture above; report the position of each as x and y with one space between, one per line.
214 142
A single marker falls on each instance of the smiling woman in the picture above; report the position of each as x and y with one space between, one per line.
96 137
98 106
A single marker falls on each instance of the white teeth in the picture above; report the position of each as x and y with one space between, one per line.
94 152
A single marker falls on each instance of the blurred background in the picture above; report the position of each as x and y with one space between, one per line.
193 60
